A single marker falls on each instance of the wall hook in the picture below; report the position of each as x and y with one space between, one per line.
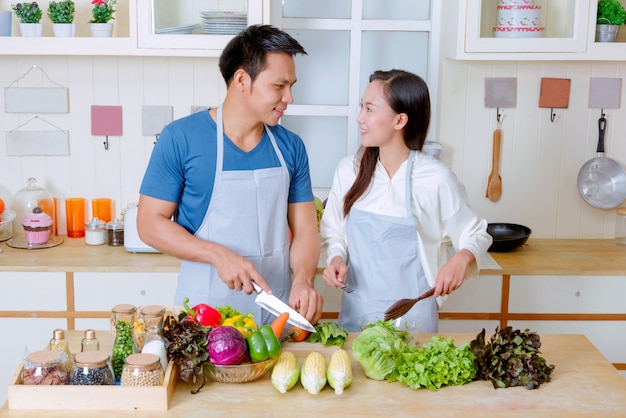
106 142
498 114
552 114
156 138
602 114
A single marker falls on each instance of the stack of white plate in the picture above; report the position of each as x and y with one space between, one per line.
223 23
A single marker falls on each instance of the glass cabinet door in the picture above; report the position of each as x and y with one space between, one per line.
194 24
526 26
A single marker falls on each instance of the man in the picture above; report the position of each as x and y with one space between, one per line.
236 182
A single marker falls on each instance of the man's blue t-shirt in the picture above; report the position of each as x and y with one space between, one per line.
182 165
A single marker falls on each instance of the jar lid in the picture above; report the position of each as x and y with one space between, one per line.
58 334
91 359
115 224
621 211
94 223
45 356
90 334
124 308
156 310
143 361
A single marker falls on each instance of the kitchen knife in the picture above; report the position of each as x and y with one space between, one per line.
276 306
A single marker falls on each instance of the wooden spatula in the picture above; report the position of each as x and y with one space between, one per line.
404 305
494 182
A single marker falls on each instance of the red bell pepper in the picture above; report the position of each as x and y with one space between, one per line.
203 314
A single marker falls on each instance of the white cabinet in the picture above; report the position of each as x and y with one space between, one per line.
569 33
194 27
141 28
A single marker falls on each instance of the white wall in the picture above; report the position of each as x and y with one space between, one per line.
90 170
540 159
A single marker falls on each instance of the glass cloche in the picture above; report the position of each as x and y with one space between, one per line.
34 208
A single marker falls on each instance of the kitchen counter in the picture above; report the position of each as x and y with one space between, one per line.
536 257
583 384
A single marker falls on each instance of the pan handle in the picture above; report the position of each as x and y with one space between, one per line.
601 129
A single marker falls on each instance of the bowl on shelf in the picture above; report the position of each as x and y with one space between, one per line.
240 373
406 323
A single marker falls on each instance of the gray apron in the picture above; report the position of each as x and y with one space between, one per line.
247 214
385 265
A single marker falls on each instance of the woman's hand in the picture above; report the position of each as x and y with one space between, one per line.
452 274
335 274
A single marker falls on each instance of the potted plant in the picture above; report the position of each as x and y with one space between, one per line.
61 14
611 15
102 14
29 15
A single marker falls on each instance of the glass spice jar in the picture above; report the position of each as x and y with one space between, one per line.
142 369
153 341
124 344
95 234
59 342
45 367
92 368
115 232
90 341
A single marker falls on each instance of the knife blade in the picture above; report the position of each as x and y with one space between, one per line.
276 306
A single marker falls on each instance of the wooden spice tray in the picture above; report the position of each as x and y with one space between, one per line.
146 398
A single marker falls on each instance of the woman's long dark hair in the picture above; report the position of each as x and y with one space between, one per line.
406 93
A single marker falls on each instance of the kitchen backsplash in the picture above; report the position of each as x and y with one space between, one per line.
540 159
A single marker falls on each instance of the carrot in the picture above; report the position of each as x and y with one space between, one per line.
278 325
298 334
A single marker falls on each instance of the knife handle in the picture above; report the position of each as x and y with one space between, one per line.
257 288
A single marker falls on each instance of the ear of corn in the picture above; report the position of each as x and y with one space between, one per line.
286 372
313 373
339 373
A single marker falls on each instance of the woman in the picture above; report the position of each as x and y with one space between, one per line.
392 210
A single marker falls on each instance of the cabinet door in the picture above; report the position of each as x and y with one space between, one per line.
562 28
202 25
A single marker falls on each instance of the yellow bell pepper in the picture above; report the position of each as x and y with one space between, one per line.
243 323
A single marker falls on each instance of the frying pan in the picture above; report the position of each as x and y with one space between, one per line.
602 180
507 237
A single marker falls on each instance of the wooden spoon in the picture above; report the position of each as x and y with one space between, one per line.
404 305
494 182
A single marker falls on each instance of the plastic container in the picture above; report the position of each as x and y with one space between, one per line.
115 232
142 370
620 226
95 234
92 368
45 367
124 344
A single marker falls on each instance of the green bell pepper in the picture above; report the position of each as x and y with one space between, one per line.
263 344
273 345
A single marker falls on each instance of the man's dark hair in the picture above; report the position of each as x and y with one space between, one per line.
248 49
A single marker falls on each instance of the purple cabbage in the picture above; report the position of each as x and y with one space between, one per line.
226 346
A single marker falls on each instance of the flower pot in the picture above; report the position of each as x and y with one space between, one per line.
64 30
606 33
101 30
31 29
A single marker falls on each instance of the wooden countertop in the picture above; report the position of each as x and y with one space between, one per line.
538 257
563 257
74 255
583 383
